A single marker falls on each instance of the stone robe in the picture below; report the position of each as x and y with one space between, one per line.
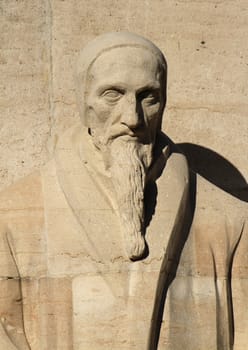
67 284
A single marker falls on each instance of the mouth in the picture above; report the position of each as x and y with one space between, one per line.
128 134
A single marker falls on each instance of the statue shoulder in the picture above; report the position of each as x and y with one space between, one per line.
218 198
25 194
21 215
218 209
171 164
176 171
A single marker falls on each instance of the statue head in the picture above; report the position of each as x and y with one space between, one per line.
121 86
115 59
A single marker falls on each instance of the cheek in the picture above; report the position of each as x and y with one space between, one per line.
152 118
99 114
151 112
103 117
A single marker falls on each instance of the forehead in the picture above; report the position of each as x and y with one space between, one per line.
127 65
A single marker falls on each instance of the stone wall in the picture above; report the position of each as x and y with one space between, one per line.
206 46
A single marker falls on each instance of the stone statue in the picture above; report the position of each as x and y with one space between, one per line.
115 243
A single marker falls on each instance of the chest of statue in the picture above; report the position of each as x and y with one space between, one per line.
88 297
85 293
89 294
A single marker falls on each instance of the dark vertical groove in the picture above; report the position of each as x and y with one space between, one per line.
171 259
225 324
11 249
229 292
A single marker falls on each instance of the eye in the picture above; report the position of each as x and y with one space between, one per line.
150 97
112 95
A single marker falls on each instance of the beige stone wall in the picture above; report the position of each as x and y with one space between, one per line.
205 43
24 86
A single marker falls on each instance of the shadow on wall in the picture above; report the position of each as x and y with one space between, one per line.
216 169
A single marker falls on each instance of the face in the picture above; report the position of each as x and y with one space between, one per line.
124 95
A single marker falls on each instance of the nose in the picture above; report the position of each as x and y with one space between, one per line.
132 115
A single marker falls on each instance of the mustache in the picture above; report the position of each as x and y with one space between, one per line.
137 134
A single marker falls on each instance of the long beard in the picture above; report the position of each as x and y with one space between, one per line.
129 162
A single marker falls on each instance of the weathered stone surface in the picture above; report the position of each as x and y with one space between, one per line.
64 258
206 50
25 87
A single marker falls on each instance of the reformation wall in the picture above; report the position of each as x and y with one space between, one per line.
113 233
206 49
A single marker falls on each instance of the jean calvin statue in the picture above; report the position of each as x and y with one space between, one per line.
115 243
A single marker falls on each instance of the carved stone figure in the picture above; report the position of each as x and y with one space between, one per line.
115 244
